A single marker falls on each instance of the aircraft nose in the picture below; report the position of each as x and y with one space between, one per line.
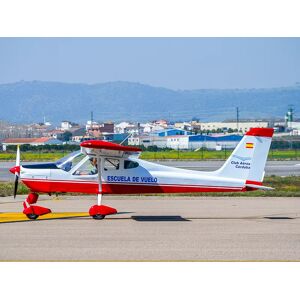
15 169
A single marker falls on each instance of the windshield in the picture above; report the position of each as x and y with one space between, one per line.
68 162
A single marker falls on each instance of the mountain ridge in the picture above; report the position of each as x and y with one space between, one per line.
30 101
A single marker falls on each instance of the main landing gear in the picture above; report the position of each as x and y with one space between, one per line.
34 211
99 211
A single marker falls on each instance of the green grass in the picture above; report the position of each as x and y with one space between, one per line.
202 155
284 187
7 188
199 155
284 154
33 156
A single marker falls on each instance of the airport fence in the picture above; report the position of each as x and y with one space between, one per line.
280 150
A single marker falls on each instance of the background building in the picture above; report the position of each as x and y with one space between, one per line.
30 141
242 126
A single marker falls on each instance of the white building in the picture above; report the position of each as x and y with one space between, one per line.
90 125
126 127
65 125
243 126
151 127
294 125
146 141
183 126
178 142
147 127
295 128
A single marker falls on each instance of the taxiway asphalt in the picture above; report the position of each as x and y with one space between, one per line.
150 228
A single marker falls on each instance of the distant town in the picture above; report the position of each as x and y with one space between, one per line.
187 135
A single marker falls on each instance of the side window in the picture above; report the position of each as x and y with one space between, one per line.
90 167
128 164
111 164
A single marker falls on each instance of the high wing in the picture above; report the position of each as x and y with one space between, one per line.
104 148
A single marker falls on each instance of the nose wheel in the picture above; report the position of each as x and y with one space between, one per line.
32 216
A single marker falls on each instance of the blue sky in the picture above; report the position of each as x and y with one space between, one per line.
176 63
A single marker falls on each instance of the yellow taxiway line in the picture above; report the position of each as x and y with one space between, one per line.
20 217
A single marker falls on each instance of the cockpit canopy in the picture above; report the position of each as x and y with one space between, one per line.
74 159
70 161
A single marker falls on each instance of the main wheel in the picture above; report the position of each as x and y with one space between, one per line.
32 216
98 217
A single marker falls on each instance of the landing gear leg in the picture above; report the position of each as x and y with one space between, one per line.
99 199
34 211
99 211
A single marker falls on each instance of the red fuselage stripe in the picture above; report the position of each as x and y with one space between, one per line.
52 186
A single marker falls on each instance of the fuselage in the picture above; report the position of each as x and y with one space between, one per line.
129 175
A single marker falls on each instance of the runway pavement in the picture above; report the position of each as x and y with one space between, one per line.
279 168
154 228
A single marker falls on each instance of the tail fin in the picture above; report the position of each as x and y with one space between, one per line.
248 159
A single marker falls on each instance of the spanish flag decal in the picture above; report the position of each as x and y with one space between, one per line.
249 145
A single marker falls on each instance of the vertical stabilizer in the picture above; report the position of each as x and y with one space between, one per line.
248 159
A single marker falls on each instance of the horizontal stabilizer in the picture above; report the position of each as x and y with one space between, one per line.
259 187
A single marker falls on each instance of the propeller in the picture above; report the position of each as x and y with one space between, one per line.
17 171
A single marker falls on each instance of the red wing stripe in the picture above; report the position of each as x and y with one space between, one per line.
108 146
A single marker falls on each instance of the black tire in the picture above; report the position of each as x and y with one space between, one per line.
32 216
98 217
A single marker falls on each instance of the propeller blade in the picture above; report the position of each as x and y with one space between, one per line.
16 184
17 175
18 156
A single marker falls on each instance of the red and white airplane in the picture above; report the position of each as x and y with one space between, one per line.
106 168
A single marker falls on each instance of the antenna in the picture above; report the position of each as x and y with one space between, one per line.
92 117
290 113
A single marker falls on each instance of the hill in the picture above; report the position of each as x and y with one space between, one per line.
25 102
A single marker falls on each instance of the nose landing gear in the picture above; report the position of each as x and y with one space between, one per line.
34 211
